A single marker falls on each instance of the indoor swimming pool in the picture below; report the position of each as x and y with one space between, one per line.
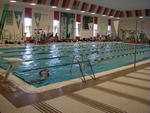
62 61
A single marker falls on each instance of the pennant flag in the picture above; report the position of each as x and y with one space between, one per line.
37 18
76 4
92 8
54 2
84 6
3 18
18 16
99 10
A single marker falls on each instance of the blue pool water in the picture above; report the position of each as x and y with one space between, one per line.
58 59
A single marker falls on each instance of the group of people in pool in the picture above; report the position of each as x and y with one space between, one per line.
44 74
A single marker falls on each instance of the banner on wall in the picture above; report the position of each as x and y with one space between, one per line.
9 17
37 18
18 16
116 26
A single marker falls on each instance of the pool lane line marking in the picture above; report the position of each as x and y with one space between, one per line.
52 50
68 56
68 51
100 59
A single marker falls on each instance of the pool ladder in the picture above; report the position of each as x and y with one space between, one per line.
81 68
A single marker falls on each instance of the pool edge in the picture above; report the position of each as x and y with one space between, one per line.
31 89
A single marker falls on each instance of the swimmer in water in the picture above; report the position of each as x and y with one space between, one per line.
43 77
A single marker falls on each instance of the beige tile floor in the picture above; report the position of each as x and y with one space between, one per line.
126 94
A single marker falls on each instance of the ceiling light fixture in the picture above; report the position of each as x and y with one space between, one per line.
111 17
54 7
92 13
68 9
103 15
82 11
13 1
32 3
141 17
118 18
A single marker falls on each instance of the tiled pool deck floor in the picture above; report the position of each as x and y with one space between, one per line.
125 91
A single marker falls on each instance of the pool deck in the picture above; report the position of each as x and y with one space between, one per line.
124 91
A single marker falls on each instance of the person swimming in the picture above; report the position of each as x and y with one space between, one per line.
43 76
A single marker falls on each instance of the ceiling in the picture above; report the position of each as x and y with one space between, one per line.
122 4
117 4
122 8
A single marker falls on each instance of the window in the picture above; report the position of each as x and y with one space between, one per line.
55 26
28 27
95 30
78 26
109 29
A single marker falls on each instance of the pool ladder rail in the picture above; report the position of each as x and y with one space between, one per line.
81 68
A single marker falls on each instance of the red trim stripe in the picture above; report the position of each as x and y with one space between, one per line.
95 20
28 12
121 14
92 8
67 3
109 21
131 13
140 13
77 3
43 1
56 2
147 12
30 1
112 12
106 11
78 18
85 6
56 15
99 10
117 13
